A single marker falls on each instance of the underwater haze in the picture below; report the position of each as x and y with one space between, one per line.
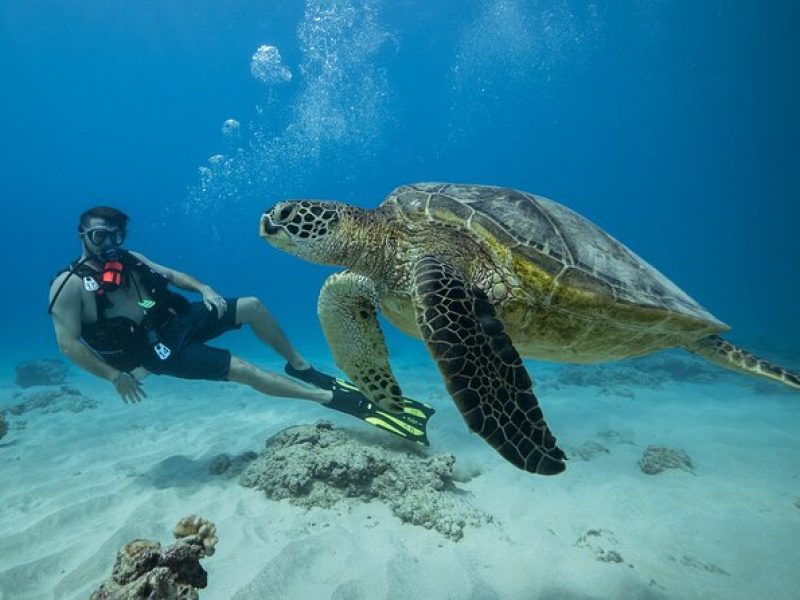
673 125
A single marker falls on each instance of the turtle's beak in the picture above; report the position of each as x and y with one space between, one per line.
266 228
274 235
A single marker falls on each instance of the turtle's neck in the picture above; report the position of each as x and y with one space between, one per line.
370 241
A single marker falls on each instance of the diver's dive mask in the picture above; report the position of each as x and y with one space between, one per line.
98 235
108 239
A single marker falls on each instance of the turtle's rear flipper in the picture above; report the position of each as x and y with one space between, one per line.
481 368
721 352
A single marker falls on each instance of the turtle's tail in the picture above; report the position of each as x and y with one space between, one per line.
723 353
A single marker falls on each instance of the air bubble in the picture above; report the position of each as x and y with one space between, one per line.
267 66
230 128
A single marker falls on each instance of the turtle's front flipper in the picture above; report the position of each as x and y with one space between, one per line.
348 314
721 352
481 368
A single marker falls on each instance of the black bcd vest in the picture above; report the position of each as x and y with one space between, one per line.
120 341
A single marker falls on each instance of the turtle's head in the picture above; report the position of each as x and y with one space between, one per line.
309 229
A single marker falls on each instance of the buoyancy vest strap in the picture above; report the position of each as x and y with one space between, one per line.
72 272
155 281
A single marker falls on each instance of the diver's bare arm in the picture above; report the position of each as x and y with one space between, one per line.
67 323
78 353
211 299
178 279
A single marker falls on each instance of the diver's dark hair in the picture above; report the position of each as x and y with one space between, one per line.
112 216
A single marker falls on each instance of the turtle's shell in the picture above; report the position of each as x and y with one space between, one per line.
551 236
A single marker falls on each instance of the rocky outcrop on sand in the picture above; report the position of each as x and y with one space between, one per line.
319 466
40 372
230 466
623 377
144 570
657 459
587 451
50 400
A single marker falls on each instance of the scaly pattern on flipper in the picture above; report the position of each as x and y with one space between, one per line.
348 314
483 372
721 352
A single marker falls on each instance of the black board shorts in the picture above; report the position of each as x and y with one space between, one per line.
186 336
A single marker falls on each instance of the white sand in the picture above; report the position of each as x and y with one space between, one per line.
74 488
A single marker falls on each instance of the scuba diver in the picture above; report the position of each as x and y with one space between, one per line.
115 316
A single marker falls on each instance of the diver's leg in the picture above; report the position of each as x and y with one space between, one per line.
251 310
273 384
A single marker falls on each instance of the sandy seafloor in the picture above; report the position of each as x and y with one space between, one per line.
74 488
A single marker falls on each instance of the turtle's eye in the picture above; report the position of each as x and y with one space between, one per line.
286 212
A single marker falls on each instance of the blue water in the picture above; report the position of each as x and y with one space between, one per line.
671 124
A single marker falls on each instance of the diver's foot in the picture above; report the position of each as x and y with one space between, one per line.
348 400
312 376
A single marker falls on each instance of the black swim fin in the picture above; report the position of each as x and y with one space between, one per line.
411 424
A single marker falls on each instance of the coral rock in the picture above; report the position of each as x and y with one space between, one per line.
143 570
224 465
657 459
197 531
41 372
588 450
319 466
64 398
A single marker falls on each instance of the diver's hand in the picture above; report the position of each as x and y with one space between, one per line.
129 387
213 300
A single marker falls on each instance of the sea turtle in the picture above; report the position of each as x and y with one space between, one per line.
483 275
